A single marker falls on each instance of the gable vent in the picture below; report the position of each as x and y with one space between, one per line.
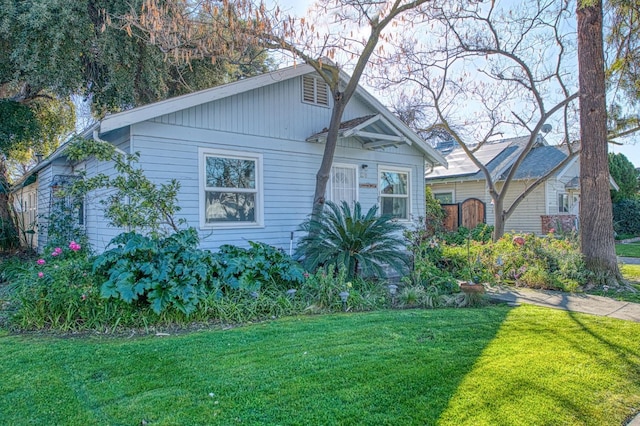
314 90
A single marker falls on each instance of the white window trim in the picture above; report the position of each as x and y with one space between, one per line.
357 181
452 192
242 155
381 169
316 80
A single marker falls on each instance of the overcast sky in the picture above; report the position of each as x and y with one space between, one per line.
299 8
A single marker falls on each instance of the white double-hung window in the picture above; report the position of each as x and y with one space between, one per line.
231 189
394 187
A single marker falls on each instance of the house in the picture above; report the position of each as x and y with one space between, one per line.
246 155
463 191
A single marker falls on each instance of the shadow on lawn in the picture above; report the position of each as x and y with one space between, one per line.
552 367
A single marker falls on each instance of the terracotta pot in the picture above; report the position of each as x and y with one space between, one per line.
471 288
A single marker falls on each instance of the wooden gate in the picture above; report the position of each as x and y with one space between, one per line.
469 214
472 212
451 217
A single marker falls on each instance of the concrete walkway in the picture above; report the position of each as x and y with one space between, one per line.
576 302
629 260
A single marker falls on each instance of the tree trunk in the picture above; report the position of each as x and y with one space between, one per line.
498 218
322 177
8 233
596 216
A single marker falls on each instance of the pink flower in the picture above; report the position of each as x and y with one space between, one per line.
54 254
552 231
57 250
74 246
83 297
40 274
41 262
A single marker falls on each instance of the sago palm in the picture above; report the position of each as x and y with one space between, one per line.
364 244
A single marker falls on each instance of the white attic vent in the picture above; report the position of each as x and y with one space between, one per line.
314 90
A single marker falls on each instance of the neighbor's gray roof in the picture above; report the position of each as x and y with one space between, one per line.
495 156
537 163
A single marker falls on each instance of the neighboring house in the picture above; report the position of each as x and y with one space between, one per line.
246 155
552 205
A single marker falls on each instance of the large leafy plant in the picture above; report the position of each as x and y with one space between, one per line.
257 267
163 272
363 242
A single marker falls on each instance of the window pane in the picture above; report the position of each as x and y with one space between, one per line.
444 197
396 207
230 173
230 207
393 183
563 203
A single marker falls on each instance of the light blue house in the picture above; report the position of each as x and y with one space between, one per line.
246 155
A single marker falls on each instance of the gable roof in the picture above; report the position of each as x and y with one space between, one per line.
147 112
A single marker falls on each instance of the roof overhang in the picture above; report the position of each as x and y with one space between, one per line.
374 132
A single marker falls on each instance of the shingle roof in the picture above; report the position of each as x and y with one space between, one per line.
538 163
498 157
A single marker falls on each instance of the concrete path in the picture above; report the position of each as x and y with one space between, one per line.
588 304
629 260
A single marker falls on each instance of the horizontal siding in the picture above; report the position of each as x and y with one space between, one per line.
526 217
260 112
99 232
289 169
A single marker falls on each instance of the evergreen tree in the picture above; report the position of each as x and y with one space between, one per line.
625 175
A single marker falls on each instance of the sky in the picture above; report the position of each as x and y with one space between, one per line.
299 8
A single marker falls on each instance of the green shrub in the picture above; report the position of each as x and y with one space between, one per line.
161 272
412 296
258 267
482 233
320 292
364 243
626 217
434 214
539 262
55 291
9 238
428 270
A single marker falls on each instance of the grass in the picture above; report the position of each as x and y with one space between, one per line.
628 250
631 272
490 366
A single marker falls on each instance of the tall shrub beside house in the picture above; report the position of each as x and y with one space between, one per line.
626 217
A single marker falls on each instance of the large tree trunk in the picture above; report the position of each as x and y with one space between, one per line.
596 217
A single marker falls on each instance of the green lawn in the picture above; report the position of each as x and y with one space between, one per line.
628 250
489 366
